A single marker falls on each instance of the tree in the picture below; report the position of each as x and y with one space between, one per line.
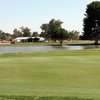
35 34
26 31
61 35
54 26
49 30
42 34
92 22
1 34
73 35
45 28
16 33
5 36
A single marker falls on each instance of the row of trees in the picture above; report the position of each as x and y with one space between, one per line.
50 31
54 31
22 32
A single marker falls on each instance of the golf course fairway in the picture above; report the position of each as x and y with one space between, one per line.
56 73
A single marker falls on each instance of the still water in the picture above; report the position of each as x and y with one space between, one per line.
10 49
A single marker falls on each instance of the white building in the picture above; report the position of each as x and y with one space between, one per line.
29 39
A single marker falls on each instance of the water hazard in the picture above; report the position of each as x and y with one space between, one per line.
11 49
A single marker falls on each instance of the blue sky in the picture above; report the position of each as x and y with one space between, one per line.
33 13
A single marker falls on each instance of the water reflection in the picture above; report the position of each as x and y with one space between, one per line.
10 49
91 46
68 47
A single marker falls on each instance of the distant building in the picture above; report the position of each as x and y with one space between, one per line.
29 39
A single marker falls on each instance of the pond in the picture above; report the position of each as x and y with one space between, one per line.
11 49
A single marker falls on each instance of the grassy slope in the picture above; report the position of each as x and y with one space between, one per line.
61 73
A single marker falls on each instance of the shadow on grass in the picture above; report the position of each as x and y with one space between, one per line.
40 98
83 44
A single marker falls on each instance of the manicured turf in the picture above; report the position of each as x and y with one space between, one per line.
57 73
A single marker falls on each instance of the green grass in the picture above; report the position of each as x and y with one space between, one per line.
56 75
27 44
74 42
40 98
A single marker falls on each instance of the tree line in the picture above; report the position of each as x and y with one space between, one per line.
54 31
51 31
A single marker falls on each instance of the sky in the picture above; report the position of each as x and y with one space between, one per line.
33 13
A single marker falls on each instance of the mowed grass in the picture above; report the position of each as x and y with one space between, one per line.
56 73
